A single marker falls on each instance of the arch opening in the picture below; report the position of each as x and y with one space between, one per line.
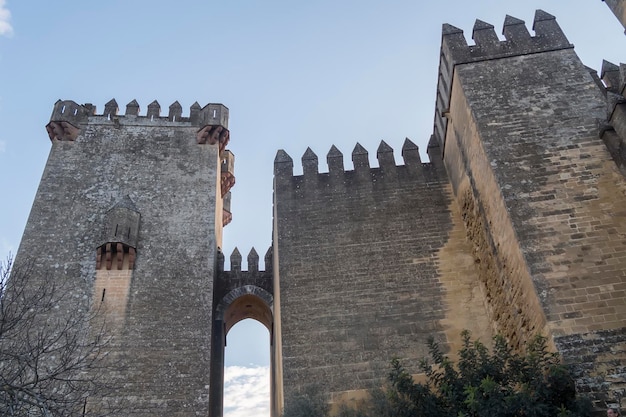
251 306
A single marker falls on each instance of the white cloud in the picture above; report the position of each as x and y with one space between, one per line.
246 391
5 16
3 146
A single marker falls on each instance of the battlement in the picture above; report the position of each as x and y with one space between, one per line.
518 41
413 167
253 261
614 77
68 117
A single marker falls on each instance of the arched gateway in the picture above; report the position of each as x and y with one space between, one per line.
240 295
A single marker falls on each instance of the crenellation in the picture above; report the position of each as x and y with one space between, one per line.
253 261
334 158
310 167
360 160
269 257
132 108
484 34
610 75
283 166
235 260
110 109
386 161
154 110
411 154
214 115
175 112
194 113
455 51
548 33
515 31
413 169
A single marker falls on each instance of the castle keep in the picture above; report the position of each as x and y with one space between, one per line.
516 225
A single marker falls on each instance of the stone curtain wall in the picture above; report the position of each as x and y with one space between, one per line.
160 311
370 263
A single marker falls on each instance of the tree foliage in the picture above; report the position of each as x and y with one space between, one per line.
499 383
50 354
496 383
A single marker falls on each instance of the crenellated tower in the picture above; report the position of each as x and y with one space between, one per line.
130 210
540 194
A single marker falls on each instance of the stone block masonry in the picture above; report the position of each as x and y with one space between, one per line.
543 201
371 262
517 225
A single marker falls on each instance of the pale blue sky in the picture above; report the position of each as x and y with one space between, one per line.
294 74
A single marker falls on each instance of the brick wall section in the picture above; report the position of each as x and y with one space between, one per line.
371 263
164 347
110 296
523 150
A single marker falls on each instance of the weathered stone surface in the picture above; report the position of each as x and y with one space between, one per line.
542 200
370 264
160 311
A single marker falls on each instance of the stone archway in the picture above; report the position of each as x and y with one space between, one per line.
248 301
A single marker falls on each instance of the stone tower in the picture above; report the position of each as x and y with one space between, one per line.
130 209
542 199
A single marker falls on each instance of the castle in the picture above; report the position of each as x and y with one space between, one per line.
517 226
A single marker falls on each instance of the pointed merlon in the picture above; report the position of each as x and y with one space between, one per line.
384 154
610 76
175 112
235 261
154 110
512 21
360 158
547 29
194 113
448 29
283 164
515 30
452 38
110 109
269 259
309 163
334 158
484 34
608 66
541 16
253 261
132 108
411 154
